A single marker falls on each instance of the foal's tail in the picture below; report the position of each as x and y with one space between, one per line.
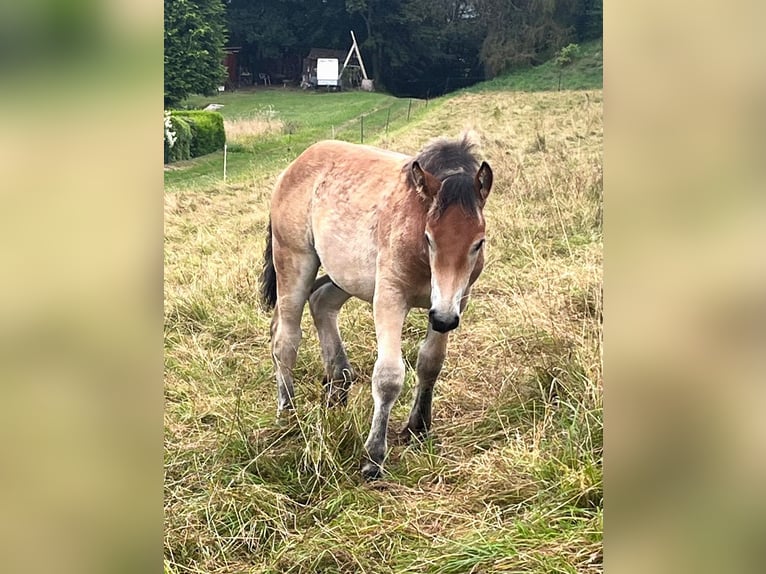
269 274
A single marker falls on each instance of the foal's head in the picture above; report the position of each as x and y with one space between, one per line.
454 234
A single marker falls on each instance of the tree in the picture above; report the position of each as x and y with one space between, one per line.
418 47
565 57
377 16
276 36
195 35
525 32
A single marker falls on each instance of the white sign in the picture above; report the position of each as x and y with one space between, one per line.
327 71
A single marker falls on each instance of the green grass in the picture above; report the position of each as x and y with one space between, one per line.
304 117
585 73
305 107
307 117
511 478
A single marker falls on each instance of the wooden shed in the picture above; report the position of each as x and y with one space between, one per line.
231 63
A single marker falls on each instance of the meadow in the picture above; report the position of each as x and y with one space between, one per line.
510 479
268 128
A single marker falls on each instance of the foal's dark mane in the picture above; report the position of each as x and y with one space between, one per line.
455 164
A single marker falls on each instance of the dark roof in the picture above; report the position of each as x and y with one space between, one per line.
316 53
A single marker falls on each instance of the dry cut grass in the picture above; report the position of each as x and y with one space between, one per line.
510 481
243 130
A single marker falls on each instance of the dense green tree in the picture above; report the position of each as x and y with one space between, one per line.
195 35
378 17
267 24
590 20
436 48
528 32
418 46
286 31
521 32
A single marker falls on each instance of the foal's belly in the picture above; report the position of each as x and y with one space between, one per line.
348 257
348 252
357 278
352 272
354 269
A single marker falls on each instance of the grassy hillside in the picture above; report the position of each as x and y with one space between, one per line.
585 73
511 478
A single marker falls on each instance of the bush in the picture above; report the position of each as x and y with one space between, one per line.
207 132
182 147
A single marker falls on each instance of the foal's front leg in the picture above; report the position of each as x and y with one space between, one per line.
430 360
429 365
389 311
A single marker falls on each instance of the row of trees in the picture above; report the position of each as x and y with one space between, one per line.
411 47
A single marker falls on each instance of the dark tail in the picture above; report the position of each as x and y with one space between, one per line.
269 275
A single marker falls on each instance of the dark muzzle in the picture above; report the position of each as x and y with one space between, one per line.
443 322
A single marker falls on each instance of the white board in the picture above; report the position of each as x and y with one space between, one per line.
327 71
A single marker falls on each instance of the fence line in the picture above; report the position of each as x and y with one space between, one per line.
377 122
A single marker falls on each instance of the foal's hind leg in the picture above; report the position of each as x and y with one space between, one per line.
325 303
295 275
429 365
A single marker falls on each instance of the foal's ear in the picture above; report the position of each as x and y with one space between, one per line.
426 184
483 181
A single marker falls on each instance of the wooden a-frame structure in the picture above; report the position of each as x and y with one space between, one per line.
355 50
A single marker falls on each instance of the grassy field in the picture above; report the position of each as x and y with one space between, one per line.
511 478
287 121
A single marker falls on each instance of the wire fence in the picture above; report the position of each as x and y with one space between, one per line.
288 137
379 121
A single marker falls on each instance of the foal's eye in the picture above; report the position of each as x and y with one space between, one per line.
478 246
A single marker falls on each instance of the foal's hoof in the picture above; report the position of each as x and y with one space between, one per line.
336 390
337 398
406 435
371 470
286 418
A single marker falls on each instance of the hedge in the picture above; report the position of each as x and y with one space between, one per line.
207 133
181 148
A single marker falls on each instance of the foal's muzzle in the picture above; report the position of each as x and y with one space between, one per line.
442 322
